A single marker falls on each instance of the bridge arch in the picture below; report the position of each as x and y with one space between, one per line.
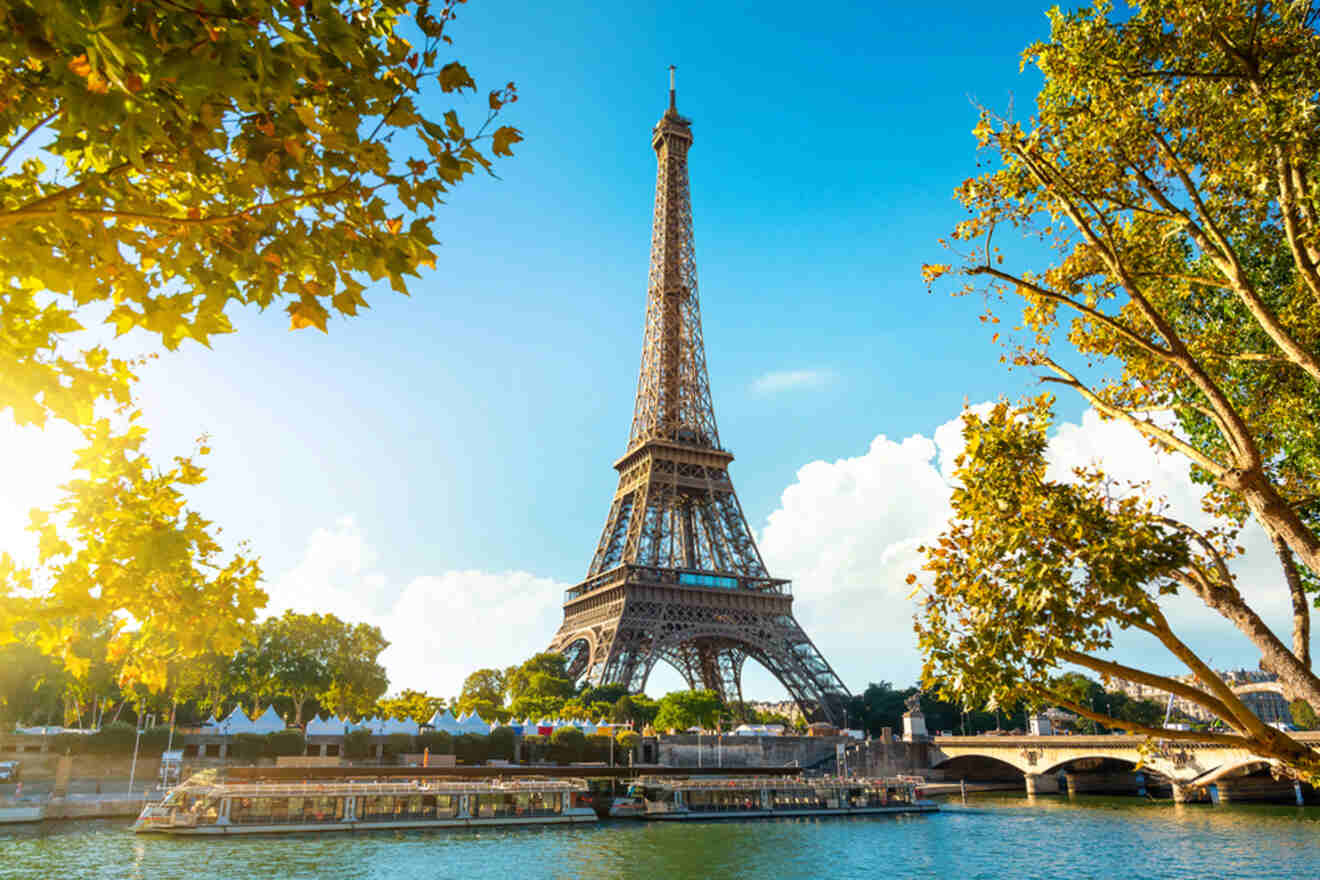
978 768
1251 765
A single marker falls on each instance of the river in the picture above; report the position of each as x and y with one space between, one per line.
994 837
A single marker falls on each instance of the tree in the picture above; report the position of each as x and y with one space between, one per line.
160 165
305 657
484 688
417 705
357 680
1170 164
680 710
605 693
1033 573
539 687
637 708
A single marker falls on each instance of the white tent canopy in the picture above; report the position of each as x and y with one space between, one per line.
269 722
236 722
332 726
446 722
474 724
400 725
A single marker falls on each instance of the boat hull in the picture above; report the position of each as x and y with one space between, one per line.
409 824
704 815
15 815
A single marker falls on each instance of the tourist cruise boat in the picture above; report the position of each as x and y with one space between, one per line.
751 797
204 805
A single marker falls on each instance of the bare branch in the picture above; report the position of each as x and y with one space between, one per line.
1094 314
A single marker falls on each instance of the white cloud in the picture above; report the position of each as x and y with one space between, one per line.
792 380
440 627
847 533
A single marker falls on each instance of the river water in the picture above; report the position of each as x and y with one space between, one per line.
993 837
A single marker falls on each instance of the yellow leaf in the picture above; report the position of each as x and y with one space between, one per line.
307 312
505 136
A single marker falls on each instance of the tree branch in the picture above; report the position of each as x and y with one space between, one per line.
1160 682
1094 314
1147 428
1254 727
27 134
1195 736
21 215
1289 209
1301 635
1231 266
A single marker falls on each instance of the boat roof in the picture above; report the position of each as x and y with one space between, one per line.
776 782
206 784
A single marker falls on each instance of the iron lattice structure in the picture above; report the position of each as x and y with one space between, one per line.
677 575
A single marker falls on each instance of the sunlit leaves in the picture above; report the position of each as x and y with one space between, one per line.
203 160
1169 163
1031 566
162 164
121 546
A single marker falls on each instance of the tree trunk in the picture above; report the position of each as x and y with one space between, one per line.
1301 633
1298 681
1275 514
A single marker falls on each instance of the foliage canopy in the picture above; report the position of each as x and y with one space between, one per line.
162 164
1171 167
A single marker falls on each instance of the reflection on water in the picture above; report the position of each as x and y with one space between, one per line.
993 837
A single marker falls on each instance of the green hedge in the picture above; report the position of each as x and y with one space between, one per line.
568 744
285 742
116 738
357 743
398 744
247 746
471 748
438 741
500 743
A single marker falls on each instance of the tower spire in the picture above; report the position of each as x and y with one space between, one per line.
673 390
673 103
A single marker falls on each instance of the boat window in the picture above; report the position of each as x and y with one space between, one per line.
258 810
378 808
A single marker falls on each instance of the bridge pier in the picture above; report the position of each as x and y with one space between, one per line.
1116 782
1184 793
1240 789
1041 783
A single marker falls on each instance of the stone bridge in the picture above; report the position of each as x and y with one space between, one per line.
1109 764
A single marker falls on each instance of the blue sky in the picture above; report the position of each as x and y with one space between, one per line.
442 441
474 423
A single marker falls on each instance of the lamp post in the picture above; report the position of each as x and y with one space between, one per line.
137 740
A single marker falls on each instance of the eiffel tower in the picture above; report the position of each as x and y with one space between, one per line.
677 575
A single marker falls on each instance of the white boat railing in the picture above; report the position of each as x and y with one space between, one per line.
368 789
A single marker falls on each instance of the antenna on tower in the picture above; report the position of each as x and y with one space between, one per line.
672 100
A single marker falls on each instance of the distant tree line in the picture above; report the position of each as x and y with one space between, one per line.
301 664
